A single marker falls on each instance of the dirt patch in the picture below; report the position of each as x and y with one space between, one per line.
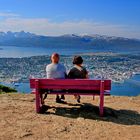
71 121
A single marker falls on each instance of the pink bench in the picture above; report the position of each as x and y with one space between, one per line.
71 87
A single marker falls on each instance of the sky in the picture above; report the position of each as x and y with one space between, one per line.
58 17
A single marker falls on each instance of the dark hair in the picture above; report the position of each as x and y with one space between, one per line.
77 60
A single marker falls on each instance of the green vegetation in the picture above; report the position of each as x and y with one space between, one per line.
5 89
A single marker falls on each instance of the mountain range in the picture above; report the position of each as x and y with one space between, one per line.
27 39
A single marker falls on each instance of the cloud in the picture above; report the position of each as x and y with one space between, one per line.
44 26
8 14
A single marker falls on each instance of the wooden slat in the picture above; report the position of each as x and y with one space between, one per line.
87 84
95 94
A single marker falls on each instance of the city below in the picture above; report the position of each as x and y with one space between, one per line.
117 67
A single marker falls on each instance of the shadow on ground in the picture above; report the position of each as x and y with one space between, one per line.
89 111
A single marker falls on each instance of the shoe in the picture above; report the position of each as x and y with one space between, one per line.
61 101
62 97
78 99
58 100
57 97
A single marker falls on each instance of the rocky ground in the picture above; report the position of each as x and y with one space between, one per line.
70 121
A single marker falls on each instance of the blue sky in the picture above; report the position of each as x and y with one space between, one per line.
57 17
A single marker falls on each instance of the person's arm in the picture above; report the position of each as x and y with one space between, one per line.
69 74
87 76
65 73
66 76
46 71
86 73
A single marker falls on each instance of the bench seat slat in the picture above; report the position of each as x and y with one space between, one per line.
97 94
70 87
70 84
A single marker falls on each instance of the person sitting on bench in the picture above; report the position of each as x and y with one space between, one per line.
55 70
78 72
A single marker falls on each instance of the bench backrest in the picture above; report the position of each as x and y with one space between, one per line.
78 84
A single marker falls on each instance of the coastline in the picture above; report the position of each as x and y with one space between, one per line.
130 87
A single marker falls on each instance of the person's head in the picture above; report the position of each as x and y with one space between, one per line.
77 60
55 58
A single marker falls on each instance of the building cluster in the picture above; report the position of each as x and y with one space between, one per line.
117 67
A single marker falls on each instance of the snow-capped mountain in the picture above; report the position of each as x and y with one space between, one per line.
93 41
20 34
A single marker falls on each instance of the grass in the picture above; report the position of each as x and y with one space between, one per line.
5 89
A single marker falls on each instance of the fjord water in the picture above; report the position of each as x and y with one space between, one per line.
15 51
130 87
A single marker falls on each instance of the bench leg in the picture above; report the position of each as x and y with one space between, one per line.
37 103
37 94
102 99
101 105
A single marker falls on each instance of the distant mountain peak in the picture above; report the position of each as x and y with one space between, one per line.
2 33
23 38
21 34
96 36
70 35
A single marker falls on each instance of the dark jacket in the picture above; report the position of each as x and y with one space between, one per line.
77 73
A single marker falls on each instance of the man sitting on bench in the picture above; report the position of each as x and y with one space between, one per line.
55 70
